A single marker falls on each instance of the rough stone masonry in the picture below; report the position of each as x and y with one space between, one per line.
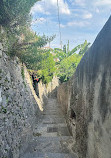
87 99
17 107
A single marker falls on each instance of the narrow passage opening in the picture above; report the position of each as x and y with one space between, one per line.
35 80
73 115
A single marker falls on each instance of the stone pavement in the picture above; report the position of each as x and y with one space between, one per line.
51 137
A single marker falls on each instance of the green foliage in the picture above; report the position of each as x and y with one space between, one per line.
15 12
47 68
31 53
74 50
15 19
68 66
84 48
59 54
19 40
3 110
69 61
22 72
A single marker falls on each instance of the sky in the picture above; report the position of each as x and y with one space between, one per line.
80 20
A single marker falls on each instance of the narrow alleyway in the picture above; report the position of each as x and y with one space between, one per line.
51 136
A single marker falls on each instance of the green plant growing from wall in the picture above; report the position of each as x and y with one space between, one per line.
3 109
22 72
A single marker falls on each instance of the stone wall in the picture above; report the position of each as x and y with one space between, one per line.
88 99
18 108
44 91
49 90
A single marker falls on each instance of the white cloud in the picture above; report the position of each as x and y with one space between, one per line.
78 23
87 16
38 8
102 2
42 19
97 10
80 2
47 6
38 20
65 11
76 16
61 3
62 26
63 7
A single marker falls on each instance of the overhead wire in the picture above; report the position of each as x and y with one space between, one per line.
46 16
59 24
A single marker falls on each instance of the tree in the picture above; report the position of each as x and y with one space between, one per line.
67 67
59 54
14 17
47 68
84 47
69 61
30 51
15 12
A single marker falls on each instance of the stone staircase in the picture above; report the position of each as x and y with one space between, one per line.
51 137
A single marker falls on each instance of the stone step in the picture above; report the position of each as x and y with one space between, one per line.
53 116
44 139
50 144
55 125
48 155
52 106
54 120
49 124
50 131
51 137
58 113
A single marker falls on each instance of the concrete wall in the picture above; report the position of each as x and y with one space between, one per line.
63 96
88 98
